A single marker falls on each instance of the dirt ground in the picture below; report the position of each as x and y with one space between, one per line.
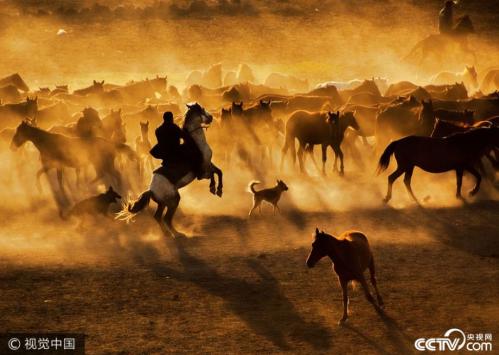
242 286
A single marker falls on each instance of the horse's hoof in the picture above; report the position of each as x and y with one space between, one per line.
213 190
179 235
342 321
219 192
473 192
386 200
342 173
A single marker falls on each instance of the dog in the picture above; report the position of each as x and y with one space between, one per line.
271 195
95 205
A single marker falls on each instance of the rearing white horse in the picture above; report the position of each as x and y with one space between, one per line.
166 181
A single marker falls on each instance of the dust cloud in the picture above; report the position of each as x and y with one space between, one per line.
316 40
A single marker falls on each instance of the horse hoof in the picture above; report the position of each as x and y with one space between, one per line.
473 192
342 173
219 193
342 321
386 200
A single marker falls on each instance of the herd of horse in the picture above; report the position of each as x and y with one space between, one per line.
101 132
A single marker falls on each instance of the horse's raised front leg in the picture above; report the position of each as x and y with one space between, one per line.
216 170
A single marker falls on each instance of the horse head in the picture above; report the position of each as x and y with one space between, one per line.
196 117
21 135
98 86
320 248
236 109
31 106
350 120
144 127
332 117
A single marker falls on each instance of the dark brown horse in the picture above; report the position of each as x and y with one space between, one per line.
351 256
311 128
459 152
404 119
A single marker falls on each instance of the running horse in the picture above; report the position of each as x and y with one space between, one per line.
459 152
168 180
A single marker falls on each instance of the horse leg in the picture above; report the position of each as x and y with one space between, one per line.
219 174
212 184
310 151
324 158
368 295
300 157
478 178
339 154
159 213
407 182
172 206
372 273
391 179
43 170
459 183
344 290
60 182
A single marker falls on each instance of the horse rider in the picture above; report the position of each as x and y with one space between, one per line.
169 137
446 18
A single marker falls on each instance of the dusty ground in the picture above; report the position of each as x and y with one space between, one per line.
242 286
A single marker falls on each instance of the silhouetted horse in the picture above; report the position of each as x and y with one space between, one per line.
404 119
351 256
12 114
459 152
96 88
143 146
167 180
317 128
113 127
58 151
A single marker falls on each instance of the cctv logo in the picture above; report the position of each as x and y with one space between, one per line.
452 343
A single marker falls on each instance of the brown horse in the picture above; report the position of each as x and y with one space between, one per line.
351 256
311 128
96 88
143 147
58 151
459 152
12 114
404 119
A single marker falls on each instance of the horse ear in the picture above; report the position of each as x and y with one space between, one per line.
95 82
188 105
102 82
316 230
110 189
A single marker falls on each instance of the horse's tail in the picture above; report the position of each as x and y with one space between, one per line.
384 160
131 208
251 186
